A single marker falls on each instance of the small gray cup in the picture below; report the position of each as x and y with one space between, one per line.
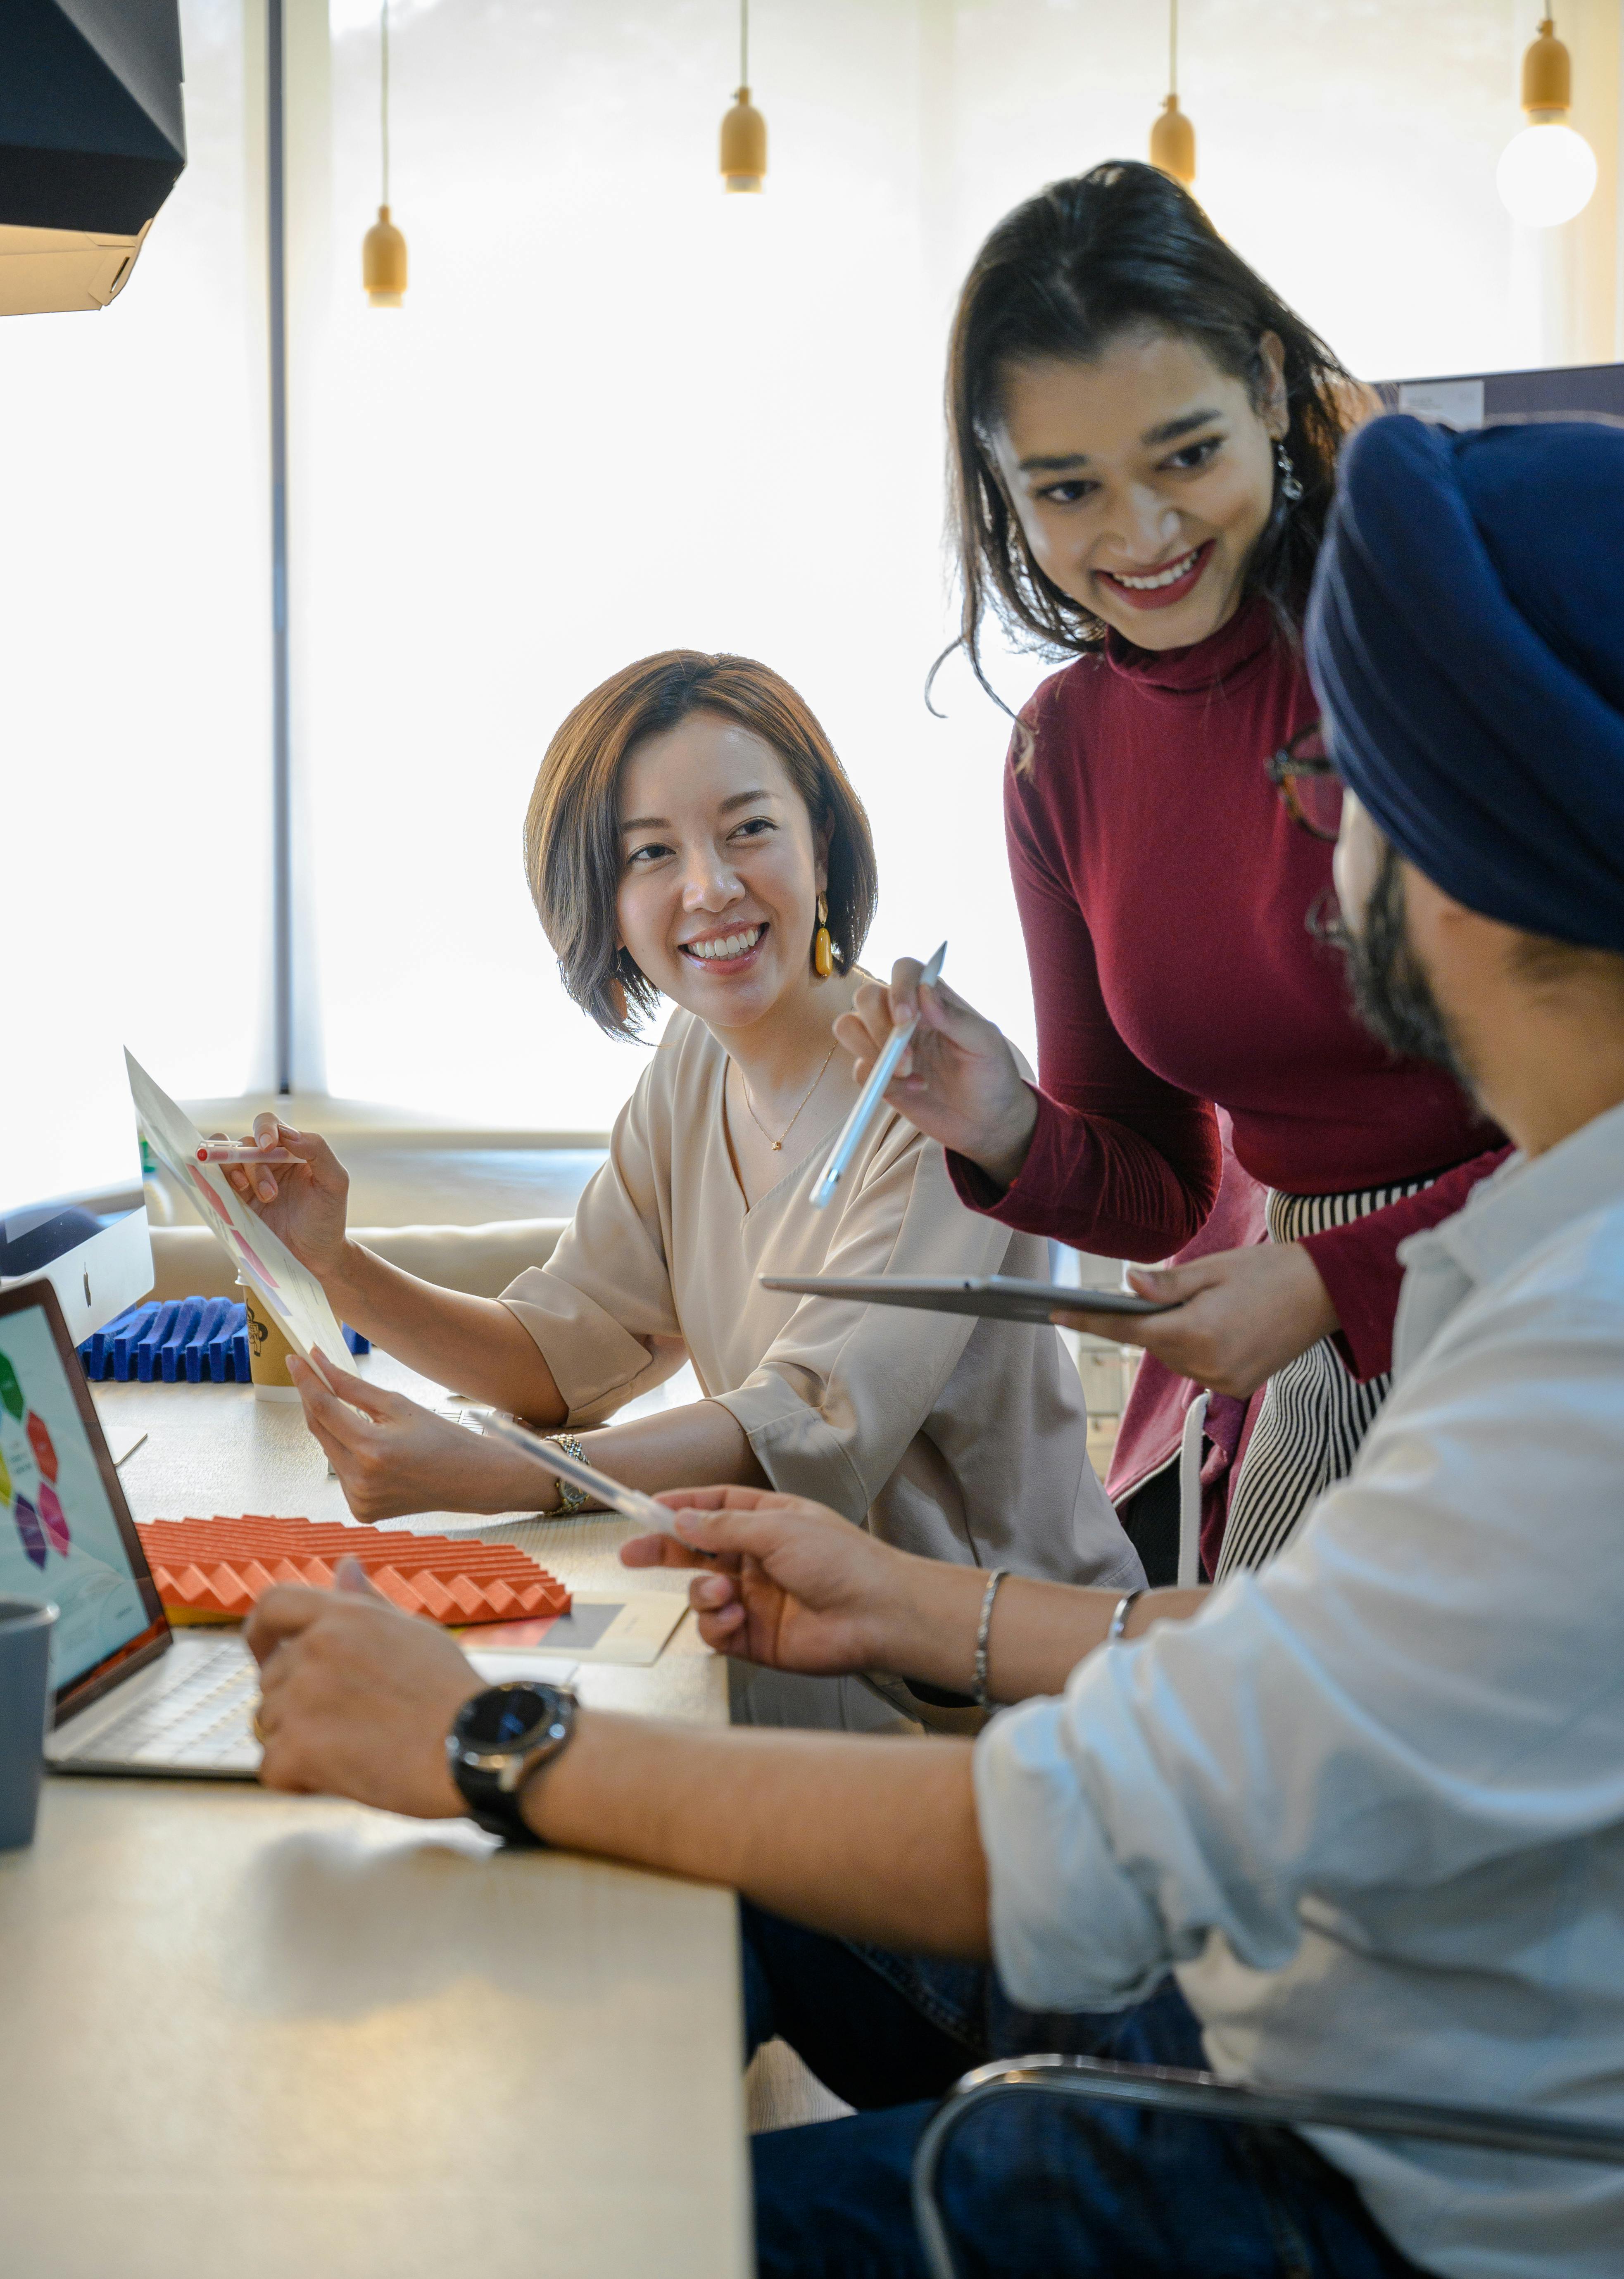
26 1625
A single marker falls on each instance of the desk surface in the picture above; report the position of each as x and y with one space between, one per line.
274 2036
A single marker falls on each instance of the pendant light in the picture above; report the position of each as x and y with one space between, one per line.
1547 172
383 249
744 131
1173 138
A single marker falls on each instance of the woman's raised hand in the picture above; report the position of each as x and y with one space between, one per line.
958 1080
304 1202
787 1583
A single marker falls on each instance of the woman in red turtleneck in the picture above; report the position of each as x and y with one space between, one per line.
1146 439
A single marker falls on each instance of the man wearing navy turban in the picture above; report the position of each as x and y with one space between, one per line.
1354 1821
1466 637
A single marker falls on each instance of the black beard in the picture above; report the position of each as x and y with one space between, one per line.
1390 993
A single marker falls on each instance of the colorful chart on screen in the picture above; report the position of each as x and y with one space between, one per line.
58 1539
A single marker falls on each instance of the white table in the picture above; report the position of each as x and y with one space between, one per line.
289 2038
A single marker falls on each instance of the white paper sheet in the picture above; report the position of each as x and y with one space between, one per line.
290 1293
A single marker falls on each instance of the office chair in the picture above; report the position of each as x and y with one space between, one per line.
1171 2089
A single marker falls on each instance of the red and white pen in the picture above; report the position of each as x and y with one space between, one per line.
240 1155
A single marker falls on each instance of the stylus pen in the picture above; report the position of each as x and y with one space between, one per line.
244 1154
883 1070
629 1502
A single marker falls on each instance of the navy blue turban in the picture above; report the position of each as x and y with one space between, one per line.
1466 634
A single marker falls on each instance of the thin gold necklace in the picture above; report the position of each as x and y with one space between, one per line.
789 1127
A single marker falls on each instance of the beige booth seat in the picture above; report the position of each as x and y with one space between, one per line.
467 1209
188 1262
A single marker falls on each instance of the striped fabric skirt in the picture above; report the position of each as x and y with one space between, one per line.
1314 1414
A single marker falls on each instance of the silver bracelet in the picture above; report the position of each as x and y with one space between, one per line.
571 1499
1125 1604
981 1630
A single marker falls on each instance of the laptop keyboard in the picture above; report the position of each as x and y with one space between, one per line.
201 1719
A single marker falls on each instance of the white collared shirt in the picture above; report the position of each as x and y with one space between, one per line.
1370 1802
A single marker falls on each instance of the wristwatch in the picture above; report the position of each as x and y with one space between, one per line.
497 1740
571 1499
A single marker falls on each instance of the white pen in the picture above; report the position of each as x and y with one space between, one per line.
883 1070
629 1502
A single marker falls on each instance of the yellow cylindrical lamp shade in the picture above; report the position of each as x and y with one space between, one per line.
744 146
1172 144
384 263
1547 72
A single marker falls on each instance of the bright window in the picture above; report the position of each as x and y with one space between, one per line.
620 411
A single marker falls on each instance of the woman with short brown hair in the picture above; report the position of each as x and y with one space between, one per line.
693 836
573 850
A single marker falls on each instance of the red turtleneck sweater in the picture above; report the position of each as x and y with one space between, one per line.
1163 889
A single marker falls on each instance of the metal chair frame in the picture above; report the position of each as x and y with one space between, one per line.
1170 2088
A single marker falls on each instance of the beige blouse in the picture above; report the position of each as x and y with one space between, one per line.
955 1437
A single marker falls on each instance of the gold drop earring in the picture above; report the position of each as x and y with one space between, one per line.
823 949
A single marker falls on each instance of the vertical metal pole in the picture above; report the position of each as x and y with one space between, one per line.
281 783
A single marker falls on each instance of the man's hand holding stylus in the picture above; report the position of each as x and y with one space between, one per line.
794 1586
791 1584
959 1081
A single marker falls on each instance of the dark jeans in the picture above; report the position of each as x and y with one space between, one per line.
1032 2188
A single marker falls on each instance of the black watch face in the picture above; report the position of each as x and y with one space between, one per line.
501 1717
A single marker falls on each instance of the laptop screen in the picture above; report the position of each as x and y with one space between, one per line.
65 1533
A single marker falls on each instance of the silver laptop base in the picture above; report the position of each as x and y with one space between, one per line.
190 1715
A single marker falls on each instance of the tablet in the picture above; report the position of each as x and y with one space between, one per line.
1000 1295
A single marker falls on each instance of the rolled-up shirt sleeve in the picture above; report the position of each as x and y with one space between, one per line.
1116 1836
1321 1740
837 1399
601 1309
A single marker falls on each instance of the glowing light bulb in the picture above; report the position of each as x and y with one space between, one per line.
1546 174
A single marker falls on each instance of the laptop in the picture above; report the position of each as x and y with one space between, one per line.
130 1696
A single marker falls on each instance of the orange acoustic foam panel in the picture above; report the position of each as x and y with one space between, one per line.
213 1569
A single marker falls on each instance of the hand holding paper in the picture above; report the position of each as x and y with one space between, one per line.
288 1291
293 1182
393 1457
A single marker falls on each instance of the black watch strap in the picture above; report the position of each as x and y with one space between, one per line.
492 1777
497 1810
